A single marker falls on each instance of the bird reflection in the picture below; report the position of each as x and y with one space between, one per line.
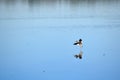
79 55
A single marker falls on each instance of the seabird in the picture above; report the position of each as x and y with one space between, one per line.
78 43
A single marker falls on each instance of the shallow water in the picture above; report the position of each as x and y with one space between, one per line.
36 40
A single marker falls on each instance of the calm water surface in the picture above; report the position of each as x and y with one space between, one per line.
37 36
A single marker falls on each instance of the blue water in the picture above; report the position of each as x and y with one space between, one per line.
36 40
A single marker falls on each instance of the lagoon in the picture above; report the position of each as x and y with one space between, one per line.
37 36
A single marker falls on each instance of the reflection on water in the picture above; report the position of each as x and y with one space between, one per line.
41 2
58 8
71 2
79 55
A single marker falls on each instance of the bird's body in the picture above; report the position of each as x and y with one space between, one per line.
78 43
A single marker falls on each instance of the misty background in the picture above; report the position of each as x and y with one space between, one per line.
59 8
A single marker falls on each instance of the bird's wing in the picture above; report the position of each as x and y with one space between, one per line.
75 43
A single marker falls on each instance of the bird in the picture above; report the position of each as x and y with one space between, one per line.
78 43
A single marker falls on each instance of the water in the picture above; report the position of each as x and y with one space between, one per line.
37 36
